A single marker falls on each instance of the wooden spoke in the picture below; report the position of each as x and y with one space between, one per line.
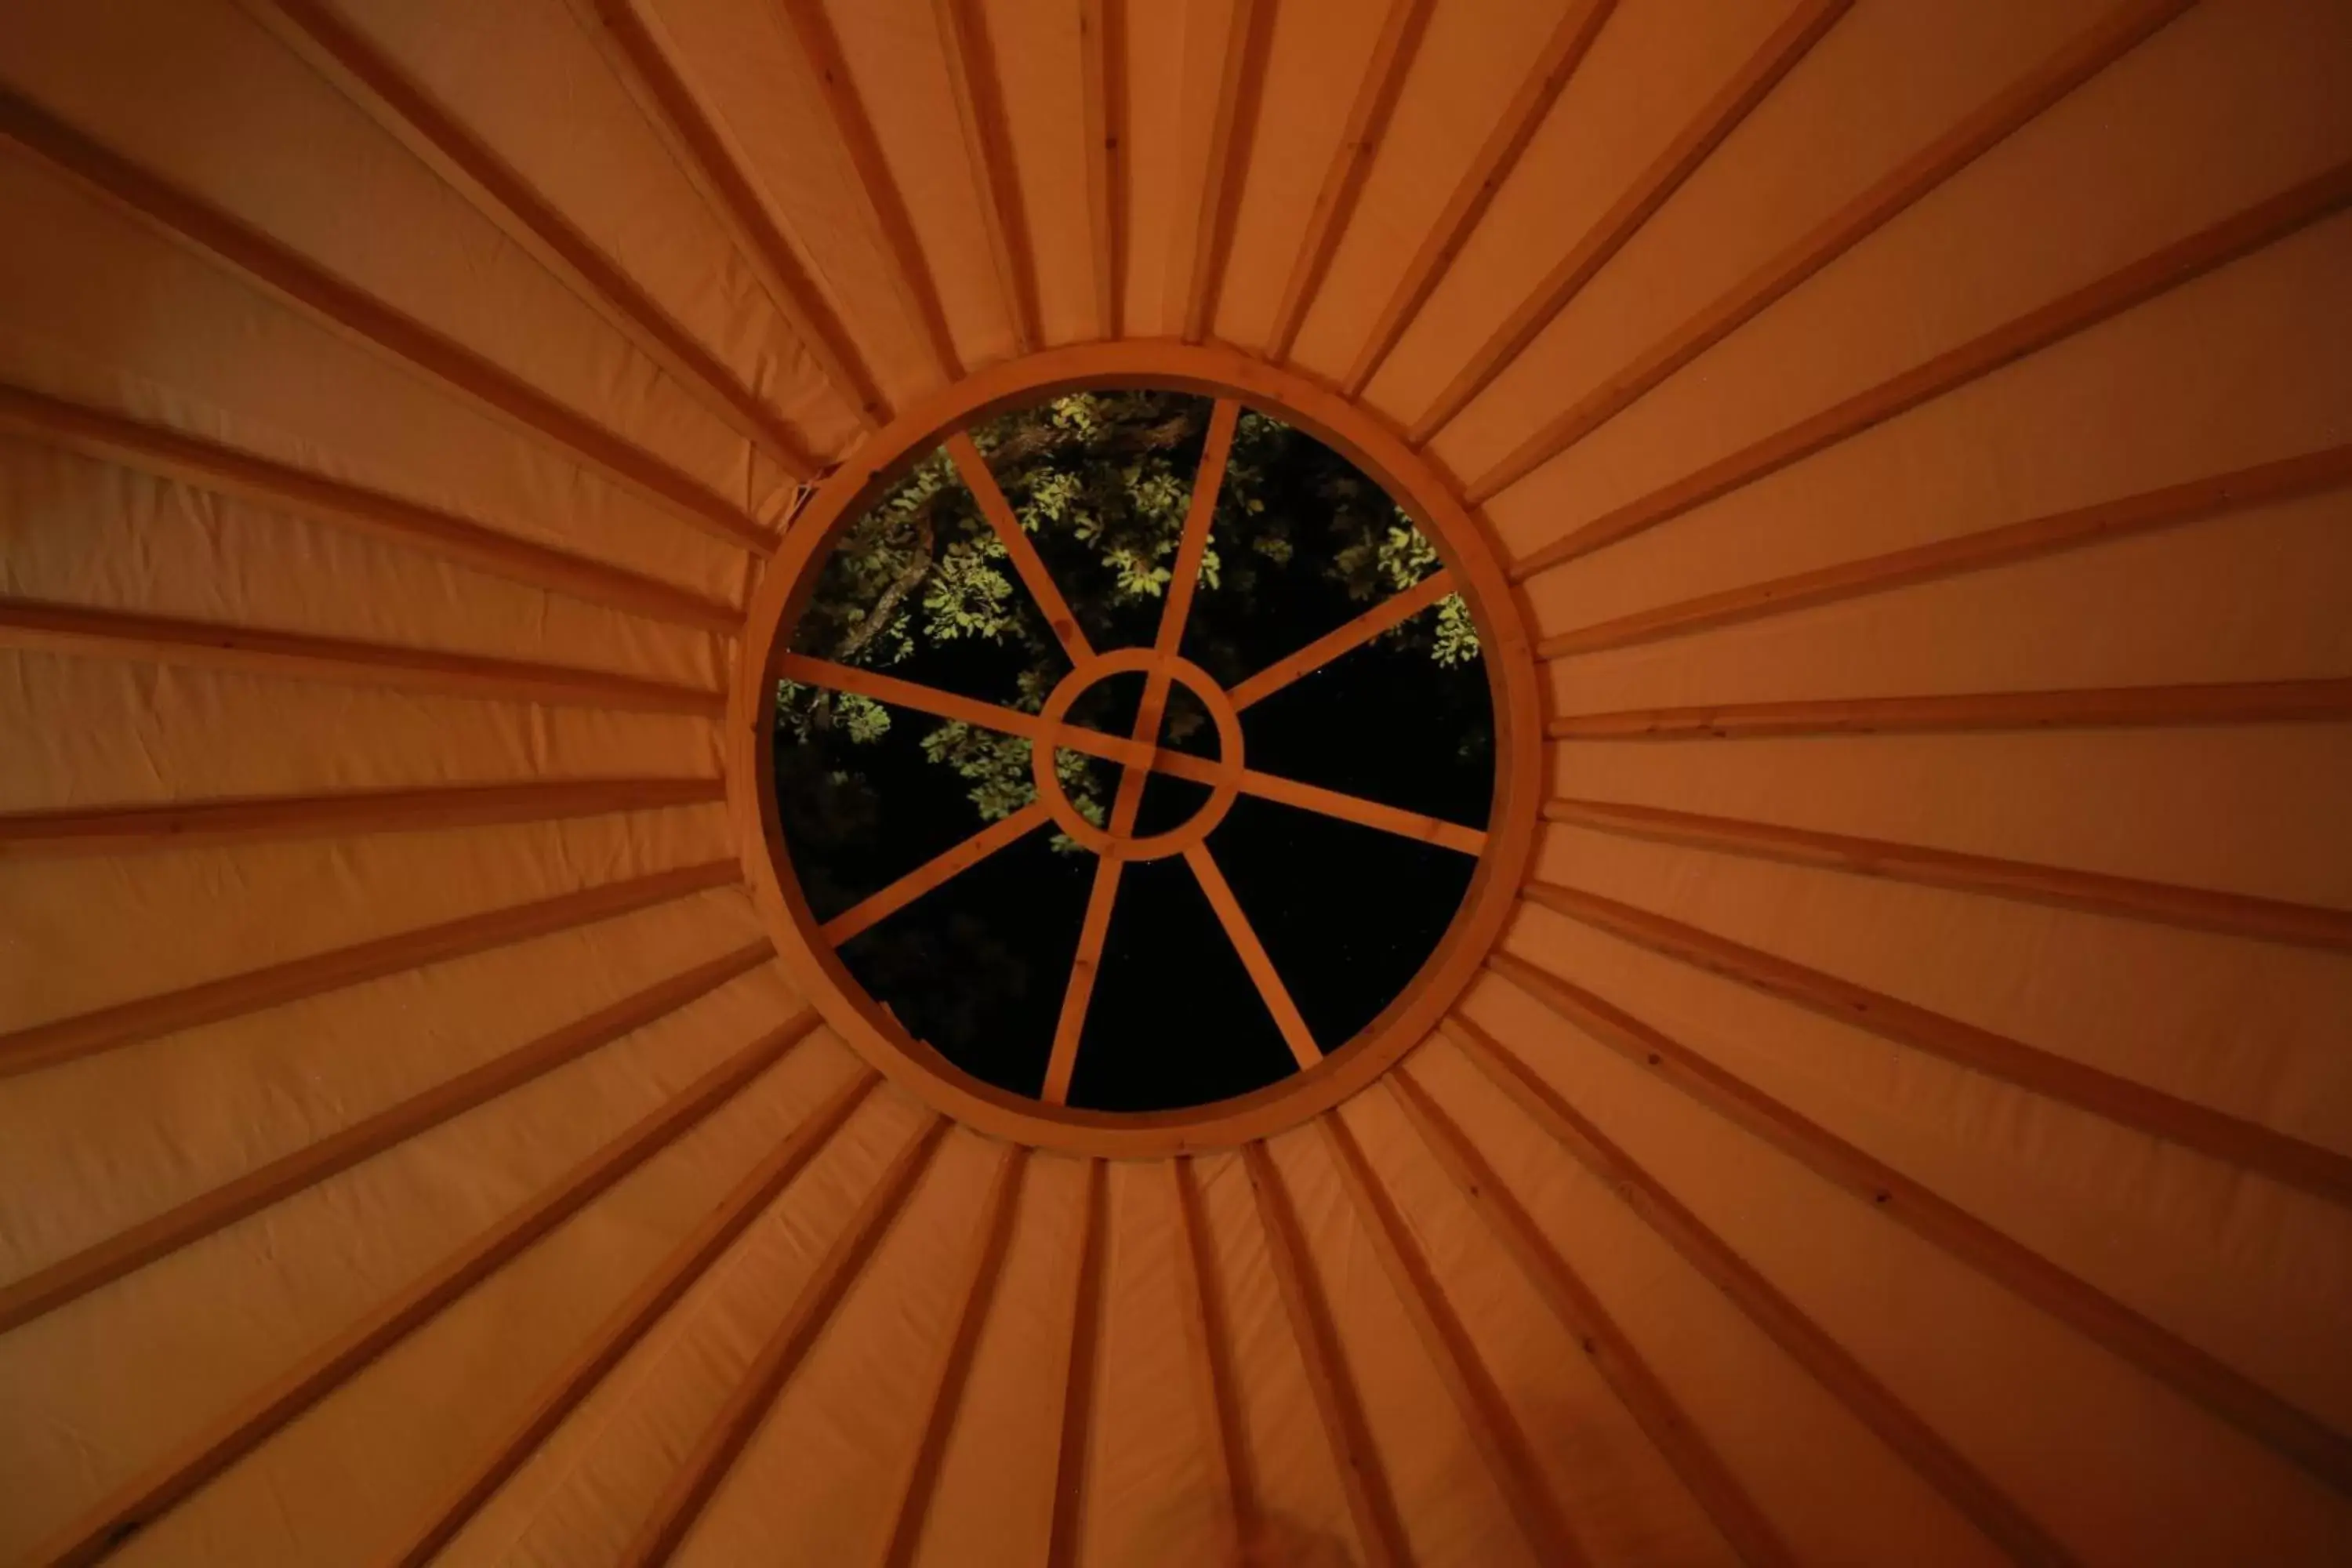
981 482
168 1012
380 89
1071 1023
2197 909
626 1323
2232 1139
78 1274
2101 1318
284 273
730 1431
1326 802
2115 707
1393 611
873 909
1755 79
1343 182
2100 300
1208 482
991 1240
1562 53
1911 1436
192 460
2082 56
170 1480
638 60
1254 957
108 634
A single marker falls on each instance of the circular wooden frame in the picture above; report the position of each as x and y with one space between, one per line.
1471 567
1196 829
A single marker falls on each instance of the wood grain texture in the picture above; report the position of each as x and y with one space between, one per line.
2096 708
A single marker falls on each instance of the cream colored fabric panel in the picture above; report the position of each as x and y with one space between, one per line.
2256 595
97 308
1300 1511
1447 1501
1471 58
115 1380
194 91
119 731
2236 817
2251 1270
742 62
2110 1462
899 68
994 1502
2250 1027
2097 418
1036 52
322 1490
2229 105
1619 1497
1653 65
92 1147
818 1482
1834 1491
76 532
1150 1498
84 933
1313 61
525 77
586 1492
1882 82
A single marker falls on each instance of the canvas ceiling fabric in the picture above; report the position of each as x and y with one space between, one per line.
1908 1118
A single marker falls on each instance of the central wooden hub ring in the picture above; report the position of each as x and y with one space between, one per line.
1222 776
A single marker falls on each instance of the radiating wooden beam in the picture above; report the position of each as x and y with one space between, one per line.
2218 1135
872 911
1390 612
2080 58
370 79
995 173
981 482
2101 1319
76 1275
1224 1448
192 460
162 1013
1335 204
920 1472
1077 992
361 318
2197 909
1198 266
2307 474
2102 299
875 188
731 1429
168 1482
1579 1310
2115 707
1102 45
1371 1506
1914 1440
110 633
625 1325
1254 957
1716 119
626 40
112 830
1495 1429
1562 53
1072 1461
1324 802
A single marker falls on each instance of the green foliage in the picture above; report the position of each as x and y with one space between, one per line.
1102 482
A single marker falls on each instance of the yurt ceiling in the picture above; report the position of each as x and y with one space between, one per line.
1884 1099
